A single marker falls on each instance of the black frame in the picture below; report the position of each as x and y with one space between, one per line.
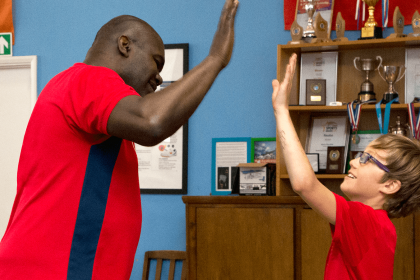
184 190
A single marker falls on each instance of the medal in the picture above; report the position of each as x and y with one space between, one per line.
354 118
414 122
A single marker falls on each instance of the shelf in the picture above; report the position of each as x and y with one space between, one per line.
353 45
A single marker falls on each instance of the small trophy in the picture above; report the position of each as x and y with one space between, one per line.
340 28
415 23
371 30
391 75
399 128
310 7
296 32
321 30
366 93
398 21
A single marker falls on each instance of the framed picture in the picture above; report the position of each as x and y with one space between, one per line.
227 153
319 66
325 8
412 74
365 137
263 150
163 168
325 131
314 161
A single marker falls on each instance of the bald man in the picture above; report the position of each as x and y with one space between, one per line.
77 212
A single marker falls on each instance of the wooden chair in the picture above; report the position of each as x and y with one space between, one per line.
161 255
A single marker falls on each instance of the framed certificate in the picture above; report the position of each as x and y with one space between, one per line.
412 74
325 131
316 66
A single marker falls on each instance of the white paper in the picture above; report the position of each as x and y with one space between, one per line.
228 155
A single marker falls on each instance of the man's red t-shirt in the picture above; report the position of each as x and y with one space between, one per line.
77 212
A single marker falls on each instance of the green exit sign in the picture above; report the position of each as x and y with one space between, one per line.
5 44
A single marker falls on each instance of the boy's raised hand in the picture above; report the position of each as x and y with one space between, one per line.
281 92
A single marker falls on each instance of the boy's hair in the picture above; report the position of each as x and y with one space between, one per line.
403 162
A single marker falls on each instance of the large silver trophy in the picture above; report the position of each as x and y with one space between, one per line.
367 65
310 7
391 75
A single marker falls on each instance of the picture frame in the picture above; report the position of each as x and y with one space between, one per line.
263 150
227 154
365 136
314 161
327 130
325 8
163 169
412 74
319 65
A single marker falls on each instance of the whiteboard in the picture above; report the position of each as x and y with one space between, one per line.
18 94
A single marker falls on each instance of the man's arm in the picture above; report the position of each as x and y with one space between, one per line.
302 177
151 119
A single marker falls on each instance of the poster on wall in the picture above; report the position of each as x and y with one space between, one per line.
163 168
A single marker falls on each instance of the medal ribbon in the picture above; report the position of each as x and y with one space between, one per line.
384 130
354 114
414 122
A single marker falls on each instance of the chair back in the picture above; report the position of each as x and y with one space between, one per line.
161 255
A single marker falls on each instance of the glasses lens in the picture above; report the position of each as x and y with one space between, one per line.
364 158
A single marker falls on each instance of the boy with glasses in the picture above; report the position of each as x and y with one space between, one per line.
383 183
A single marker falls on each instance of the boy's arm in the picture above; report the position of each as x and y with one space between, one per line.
302 177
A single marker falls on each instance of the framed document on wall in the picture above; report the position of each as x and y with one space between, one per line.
325 131
163 168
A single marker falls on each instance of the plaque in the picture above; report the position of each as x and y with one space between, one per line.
371 30
316 92
340 28
335 160
296 32
321 30
398 21
415 23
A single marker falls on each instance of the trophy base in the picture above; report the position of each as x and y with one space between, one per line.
366 96
388 97
374 32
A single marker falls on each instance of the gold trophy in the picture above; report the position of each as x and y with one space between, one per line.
371 30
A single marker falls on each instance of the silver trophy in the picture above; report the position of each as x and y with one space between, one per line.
310 7
391 75
367 65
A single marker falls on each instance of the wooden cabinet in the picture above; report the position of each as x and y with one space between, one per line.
349 80
271 238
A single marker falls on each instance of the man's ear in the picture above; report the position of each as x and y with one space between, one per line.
391 187
124 45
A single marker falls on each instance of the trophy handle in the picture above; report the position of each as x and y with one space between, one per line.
399 73
355 64
379 71
380 62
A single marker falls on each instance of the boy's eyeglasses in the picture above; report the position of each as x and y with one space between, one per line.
364 157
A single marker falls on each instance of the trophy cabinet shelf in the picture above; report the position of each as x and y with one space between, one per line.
348 82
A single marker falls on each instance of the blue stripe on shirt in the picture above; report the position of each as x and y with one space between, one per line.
91 212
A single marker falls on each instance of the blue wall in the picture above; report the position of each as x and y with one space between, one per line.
238 104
